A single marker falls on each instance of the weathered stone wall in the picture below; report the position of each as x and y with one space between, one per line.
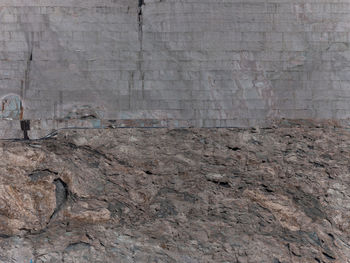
176 63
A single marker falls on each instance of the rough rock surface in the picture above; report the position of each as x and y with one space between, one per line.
192 195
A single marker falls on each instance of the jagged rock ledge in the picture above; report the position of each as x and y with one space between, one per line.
278 194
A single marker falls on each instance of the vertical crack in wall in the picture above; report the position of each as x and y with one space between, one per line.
25 83
27 72
141 3
25 124
29 38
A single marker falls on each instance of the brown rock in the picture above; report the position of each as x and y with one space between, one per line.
195 195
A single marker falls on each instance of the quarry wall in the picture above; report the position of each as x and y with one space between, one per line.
171 63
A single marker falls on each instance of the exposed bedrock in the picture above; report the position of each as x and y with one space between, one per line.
272 195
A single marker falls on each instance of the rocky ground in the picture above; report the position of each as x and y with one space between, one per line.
276 195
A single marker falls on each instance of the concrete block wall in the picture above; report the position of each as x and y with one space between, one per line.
172 63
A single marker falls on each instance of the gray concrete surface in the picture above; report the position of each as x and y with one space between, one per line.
172 63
